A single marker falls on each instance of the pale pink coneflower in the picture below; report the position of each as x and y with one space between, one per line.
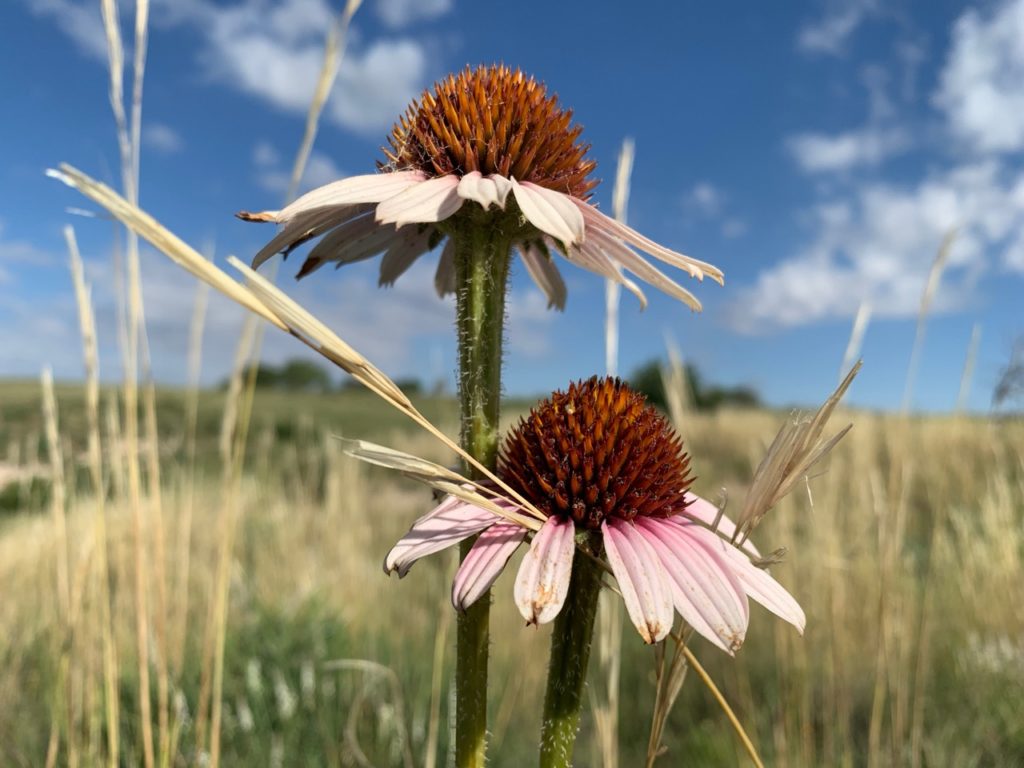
485 153
610 474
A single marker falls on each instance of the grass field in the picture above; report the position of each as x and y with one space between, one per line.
906 554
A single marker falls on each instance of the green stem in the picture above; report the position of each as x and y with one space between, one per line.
567 667
481 274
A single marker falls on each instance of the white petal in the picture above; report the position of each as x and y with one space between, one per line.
502 187
474 186
551 212
593 259
622 254
354 241
594 218
371 188
485 562
444 278
642 580
543 579
427 202
545 274
447 524
704 511
306 226
402 254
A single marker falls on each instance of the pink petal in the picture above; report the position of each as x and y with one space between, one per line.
485 562
543 579
402 254
475 186
371 188
759 585
591 257
642 580
545 274
354 241
306 226
447 524
444 278
551 212
594 218
704 511
706 592
626 257
427 202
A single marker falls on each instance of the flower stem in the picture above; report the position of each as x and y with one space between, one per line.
567 667
482 256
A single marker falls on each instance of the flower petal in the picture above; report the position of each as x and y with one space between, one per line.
484 562
479 188
705 591
447 524
642 580
703 511
760 585
370 188
444 278
545 274
502 187
355 240
551 212
543 579
402 254
427 202
593 259
306 226
595 219
622 254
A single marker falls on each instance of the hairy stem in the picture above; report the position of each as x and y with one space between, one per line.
481 272
567 667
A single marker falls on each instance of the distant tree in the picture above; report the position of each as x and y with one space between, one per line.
410 385
303 376
648 380
1010 386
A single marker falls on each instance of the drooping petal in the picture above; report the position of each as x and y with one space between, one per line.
403 254
306 226
502 187
551 212
595 219
593 259
355 240
642 580
545 274
370 188
485 562
479 188
427 202
444 278
543 579
759 584
705 591
618 252
447 524
704 511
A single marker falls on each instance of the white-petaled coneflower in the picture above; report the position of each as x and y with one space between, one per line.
487 148
610 474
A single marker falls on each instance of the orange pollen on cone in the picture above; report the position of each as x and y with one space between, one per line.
493 120
597 451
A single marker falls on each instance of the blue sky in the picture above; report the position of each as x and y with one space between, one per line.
817 152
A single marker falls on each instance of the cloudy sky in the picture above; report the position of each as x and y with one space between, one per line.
817 152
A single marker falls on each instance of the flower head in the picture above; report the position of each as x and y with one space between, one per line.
610 474
485 148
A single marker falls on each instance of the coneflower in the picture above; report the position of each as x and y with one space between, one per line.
610 474
488 164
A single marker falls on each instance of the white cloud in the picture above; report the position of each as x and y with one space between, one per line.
819 152
274 176
706 198
376 86
399 13
830 33
162 138
880 246
79 21
709 203
982 84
